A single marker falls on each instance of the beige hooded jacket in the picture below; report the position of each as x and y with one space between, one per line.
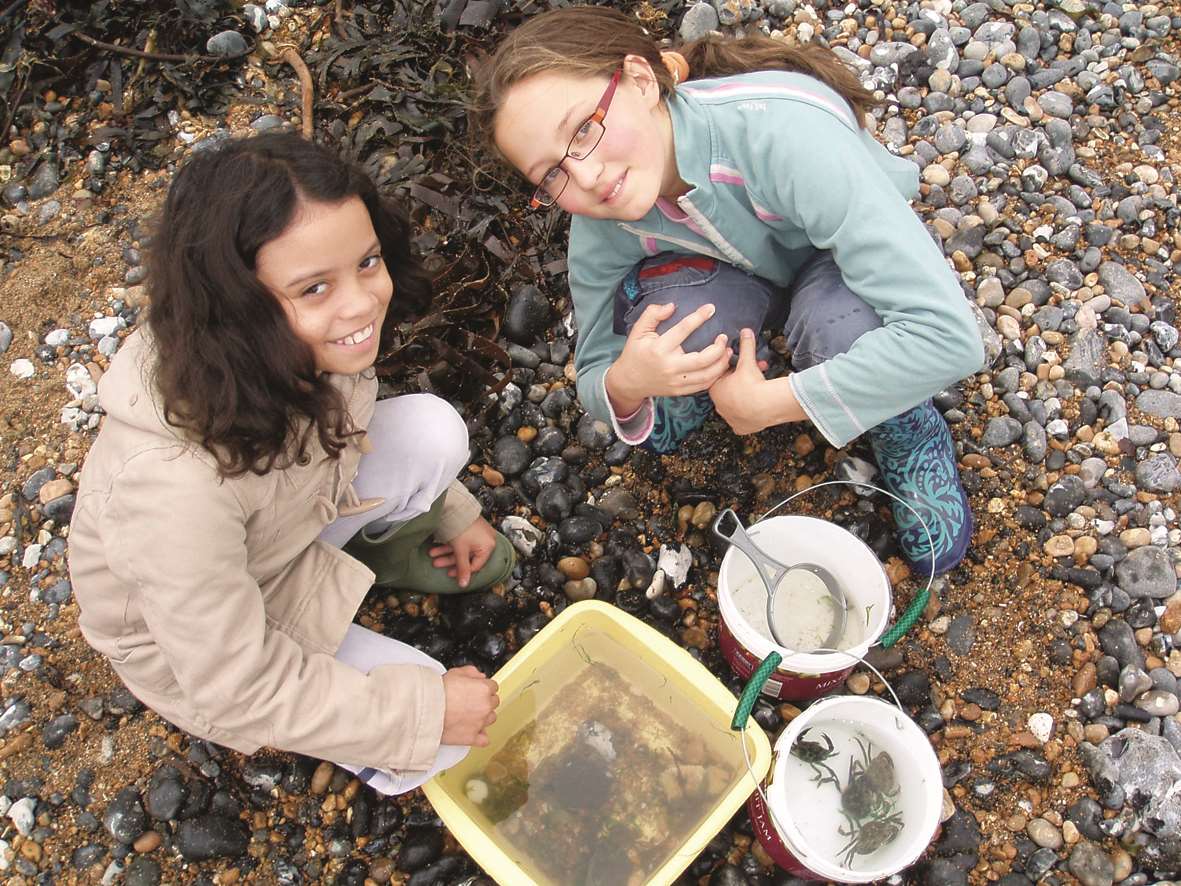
214 601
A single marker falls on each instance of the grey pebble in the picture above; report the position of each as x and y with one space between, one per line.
1158 473
226 43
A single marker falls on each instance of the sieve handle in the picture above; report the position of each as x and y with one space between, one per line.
750 692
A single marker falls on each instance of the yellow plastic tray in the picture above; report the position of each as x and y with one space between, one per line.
660 669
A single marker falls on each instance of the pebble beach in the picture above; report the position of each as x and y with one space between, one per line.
1045 669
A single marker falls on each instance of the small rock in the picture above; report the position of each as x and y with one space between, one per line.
22 368
226 43
211 836
1091 865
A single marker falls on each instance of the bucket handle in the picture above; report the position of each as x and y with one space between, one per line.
750 692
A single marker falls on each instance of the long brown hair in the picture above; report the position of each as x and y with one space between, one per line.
230 370
592 41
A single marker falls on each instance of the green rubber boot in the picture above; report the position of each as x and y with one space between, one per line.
400 558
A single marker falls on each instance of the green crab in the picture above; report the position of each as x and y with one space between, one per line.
814 754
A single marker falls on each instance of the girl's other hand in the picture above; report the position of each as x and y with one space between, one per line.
655 365
471 702
467 553
749 402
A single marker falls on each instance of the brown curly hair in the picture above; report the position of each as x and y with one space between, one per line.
229 368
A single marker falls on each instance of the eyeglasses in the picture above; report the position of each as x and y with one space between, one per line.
585 140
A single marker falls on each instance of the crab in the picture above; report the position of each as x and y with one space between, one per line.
814 754
872 784
869 837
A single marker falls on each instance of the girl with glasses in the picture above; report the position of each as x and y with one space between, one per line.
242 449
720 188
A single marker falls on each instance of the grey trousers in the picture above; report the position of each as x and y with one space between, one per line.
819 315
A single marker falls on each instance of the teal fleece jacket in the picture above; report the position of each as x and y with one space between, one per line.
777 167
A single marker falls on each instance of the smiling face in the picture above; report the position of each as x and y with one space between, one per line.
630 168
327 272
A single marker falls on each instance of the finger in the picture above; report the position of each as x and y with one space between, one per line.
707 356
746 351
652 317
490 719
463 566
443 562
481 741
686 326
763 365
479 558
472 671
439 550
691 382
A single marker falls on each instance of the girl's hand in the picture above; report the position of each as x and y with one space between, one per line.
654 364
471 701
749 402
467 553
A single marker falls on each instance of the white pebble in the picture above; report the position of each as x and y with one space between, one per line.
57 338
1041 725
7 545
675 563
656 588
22 368
5 855
21 814
476 790
1057 428
79 383
103 326
32 555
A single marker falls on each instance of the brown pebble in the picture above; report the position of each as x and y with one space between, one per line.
1122 863
695 637
30 850
381 870
703 514
493 477
1016 822
1095 732
976 461
788 712
858 683
1170 621
16 745
804 445
574 568
1059 546
971 712
1026 740
1084 680
526 434
684 515
55 489
147 841
322 777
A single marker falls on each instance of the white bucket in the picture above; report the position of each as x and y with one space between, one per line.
917 770
798 539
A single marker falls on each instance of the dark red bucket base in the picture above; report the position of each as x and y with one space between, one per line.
766 834
783 685
772 843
